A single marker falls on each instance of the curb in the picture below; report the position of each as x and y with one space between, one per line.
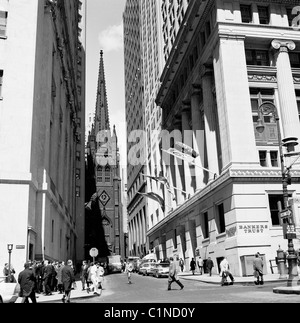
287 290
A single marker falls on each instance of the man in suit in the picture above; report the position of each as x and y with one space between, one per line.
68 278
173 271
27 282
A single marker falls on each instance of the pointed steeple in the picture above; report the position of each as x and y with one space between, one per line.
101 116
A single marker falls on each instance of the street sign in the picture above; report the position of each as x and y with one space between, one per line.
285 214
289 231
94 252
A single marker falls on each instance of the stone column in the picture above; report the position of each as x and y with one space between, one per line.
187 140
237 137
178 166
286 89
198 137
210 119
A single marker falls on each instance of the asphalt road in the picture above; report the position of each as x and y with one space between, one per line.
150 290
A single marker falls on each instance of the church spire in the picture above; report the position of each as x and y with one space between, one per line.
101 116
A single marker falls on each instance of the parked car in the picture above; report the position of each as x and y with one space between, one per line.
160 270
146 267
9 292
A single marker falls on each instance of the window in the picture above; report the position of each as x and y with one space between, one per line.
220 218
257 57
107 174
273 205
274 158
1 82
246 13
99 174
294 59
77 191
270 134
264 15
298 101
263 158
205 228
3 23
259 96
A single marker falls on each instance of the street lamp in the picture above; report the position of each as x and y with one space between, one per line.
268 108
9 248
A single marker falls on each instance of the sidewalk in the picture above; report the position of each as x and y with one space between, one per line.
268 278
216 279
56 296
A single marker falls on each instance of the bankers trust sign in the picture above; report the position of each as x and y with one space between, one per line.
246 229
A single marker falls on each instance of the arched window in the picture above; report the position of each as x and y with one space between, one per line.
107 174
99 174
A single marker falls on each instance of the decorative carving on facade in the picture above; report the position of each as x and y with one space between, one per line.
278 44
262 78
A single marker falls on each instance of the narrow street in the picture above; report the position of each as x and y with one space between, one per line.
154 291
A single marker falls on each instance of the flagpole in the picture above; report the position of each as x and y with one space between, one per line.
190 162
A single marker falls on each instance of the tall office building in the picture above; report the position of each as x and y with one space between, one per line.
149 32
228 59
103 166
135 118
42 160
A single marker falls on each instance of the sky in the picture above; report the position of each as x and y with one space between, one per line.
104 31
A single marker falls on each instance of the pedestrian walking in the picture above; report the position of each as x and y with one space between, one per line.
200 265
209 265
173 274
100 275
47 277
225 272
60 286
193 266
94 278
89 277
27 282
84 274
129 270
258 269
181 264
68 279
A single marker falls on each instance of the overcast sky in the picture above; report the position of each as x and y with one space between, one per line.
105 32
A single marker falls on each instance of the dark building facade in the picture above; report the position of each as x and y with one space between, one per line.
104 229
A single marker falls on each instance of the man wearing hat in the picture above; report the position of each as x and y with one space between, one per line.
258 269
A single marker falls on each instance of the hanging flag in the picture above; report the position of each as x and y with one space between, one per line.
156 198
161 180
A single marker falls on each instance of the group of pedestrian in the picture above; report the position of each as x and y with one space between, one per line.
35 273
92 276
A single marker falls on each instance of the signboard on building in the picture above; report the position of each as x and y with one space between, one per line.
253 228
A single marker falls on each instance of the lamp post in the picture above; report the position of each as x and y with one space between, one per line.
9 248
268 108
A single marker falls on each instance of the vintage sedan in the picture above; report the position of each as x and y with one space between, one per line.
160 270
9 292
146 267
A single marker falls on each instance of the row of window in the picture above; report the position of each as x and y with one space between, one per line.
261 57
273 200
247 12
